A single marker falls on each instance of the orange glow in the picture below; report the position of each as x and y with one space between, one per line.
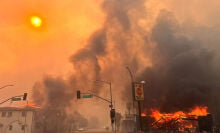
65 28
156 114
178 117
143 114
31 104
199 111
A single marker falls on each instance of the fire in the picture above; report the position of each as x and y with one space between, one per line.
177 120
32 105
199 111
143 114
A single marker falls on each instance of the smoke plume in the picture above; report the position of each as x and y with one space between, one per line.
179 68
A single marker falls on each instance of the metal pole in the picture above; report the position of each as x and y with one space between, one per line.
132 93
140 120
111 94
132 89
5 86
111 106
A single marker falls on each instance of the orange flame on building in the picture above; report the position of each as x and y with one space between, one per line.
195 112
32 105
143 115
178 118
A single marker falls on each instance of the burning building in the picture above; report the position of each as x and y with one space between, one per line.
198 119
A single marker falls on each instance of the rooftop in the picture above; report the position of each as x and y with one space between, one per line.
27 108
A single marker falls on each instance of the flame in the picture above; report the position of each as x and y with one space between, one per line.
143 114
156 114
31 104
34 105
176 119
199 111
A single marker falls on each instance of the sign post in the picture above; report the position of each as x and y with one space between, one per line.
139 96
138 91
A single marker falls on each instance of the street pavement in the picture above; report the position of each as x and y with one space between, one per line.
94 131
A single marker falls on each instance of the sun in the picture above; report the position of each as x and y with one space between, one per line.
36 21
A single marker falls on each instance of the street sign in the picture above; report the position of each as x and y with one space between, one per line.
16 99
87 96
138 91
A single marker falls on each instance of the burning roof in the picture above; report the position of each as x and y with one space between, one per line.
178 120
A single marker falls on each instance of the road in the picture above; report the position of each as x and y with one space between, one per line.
94 131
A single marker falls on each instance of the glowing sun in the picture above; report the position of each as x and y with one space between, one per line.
36 21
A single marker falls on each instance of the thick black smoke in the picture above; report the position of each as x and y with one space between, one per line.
183 73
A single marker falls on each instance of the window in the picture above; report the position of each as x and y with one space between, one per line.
23 114
23 127
3 114
9 114
10 127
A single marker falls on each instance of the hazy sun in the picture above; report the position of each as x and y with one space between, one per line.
36 21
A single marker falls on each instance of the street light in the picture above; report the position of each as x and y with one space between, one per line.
5 86
132 89
133 95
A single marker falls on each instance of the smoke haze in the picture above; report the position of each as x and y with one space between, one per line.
171 45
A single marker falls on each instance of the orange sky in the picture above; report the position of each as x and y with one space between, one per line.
27 53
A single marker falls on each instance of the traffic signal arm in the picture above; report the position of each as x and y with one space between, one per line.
78 94
102 98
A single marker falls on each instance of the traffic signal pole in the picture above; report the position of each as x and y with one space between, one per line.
112 110
24 98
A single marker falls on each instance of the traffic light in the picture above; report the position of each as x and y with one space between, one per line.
78 94
112 115
25 96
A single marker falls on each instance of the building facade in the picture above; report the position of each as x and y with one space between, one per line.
16 120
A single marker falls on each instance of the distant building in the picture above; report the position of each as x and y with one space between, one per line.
17 120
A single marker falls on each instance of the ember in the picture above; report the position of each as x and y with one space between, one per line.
32 105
